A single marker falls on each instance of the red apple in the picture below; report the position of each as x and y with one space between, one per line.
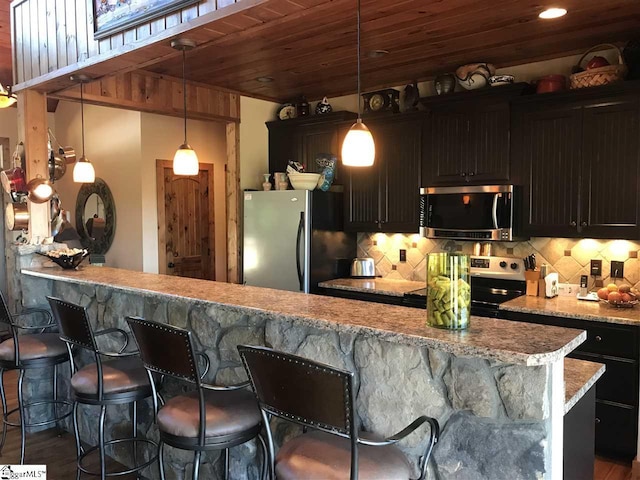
597 62
603 293
615 297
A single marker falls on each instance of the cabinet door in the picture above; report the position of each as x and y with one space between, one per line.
317 139
284 145
362 201
398 147
611 159
446 134
547 140
488 148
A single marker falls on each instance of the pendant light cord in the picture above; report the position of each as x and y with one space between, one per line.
358 32
184 90
82 114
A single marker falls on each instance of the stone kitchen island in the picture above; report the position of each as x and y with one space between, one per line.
497 389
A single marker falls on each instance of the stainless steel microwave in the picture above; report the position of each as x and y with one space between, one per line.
468 213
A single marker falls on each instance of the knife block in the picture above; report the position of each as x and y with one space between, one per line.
533 280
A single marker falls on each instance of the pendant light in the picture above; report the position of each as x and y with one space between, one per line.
83 171
7 98
358 148
185 161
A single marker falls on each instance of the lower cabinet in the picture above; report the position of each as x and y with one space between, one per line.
616 346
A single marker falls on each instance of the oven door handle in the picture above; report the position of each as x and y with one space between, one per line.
494 211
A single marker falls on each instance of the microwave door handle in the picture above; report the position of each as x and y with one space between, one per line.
494 211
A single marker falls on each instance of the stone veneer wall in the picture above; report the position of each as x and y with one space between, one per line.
495 416
567 256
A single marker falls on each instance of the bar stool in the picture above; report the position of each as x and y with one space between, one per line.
25 352
121 380
319 396
210 418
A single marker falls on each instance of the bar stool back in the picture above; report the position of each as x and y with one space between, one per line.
211 418
321 397
23 352
120 380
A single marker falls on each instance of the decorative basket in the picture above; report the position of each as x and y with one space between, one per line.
601 75
68 262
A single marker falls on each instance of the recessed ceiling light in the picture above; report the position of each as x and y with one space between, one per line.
550 13
265 79
377 53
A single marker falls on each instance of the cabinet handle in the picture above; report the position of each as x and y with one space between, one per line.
597 420
598 338
573 224
471 174
463 174
584 224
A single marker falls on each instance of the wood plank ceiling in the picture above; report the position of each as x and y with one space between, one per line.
308 46
314 53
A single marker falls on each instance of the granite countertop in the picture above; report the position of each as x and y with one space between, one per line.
501 340
579 377
379 286
570 307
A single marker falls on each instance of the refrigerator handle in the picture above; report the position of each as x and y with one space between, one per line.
298 241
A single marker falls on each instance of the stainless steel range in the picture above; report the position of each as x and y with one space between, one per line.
494 280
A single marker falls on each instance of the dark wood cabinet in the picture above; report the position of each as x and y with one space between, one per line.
580 161
385 197
301 139
618 347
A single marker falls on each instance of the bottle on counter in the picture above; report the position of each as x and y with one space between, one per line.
448 290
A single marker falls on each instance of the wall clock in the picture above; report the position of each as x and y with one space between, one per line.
387 100
287 111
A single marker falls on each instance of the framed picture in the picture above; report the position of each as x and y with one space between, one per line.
113 16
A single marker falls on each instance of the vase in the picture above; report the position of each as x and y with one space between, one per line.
448 290
445 83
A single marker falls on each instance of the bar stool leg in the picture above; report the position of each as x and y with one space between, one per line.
76 433
263 450
4 409
196 465
23 419
101 447
161 459
134 421
226 464
55 397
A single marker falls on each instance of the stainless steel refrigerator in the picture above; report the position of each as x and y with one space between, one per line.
293 239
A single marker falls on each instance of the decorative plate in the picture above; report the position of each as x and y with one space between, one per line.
287 111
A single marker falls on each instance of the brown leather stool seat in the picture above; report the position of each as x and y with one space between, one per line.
32 347
320 455
227 413
118 376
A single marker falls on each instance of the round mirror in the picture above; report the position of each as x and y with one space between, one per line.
96 216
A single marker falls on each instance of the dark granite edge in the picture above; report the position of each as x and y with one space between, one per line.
577 396
455 348
350 288
579 316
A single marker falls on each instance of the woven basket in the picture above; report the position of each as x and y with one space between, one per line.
601 75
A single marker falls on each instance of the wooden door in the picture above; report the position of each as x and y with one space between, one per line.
547 141
487 155
611 165
398 144
186 222
446 135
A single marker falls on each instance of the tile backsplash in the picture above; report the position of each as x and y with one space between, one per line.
568 256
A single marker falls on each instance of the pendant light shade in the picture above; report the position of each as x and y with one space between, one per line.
185 161
83 171
7 98
358 148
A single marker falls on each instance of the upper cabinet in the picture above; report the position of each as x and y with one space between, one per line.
384 197
466 137
301 139
580 160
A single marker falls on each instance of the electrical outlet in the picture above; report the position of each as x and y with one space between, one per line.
596 268
617 269
403 255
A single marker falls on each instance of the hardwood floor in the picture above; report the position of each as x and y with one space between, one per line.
58 452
